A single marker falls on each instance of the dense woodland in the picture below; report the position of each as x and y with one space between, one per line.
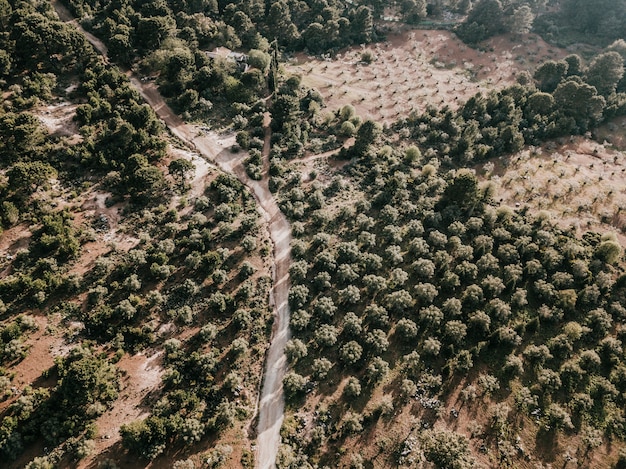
410 283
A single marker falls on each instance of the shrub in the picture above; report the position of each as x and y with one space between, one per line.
294 384
350 353
352 388
446 449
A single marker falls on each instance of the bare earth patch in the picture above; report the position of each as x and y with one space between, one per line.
43 346
141 375
58 119
108 234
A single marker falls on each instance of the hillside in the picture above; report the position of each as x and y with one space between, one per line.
303 235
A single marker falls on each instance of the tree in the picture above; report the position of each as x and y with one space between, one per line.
352 325
295 349
455 331
605 72
293 384
285 109
463 190
376 341
522 20
487 384
376 370
298 296
352 388
324 307
399 301
259 59
609 250
362 25
280 25
180 169
579 102
406 329
604 18
349 295
326 335
315 37
447 450
86 379
120 47
549 74
413 11
145 182
557 418
298 271
485 19
350 353
352 424
321 367
431 346
574 65
153 30
366 136
26 177
20 134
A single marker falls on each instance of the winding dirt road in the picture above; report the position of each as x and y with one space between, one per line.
216 149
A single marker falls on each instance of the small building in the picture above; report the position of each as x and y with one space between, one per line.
226 54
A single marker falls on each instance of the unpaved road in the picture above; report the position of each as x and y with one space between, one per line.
214 148
271 402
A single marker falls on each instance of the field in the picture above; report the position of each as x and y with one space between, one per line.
416 68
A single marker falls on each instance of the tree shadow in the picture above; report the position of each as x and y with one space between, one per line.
546 444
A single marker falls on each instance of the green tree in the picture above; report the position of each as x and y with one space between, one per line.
522 20
259 59
580 102
367 135
280 25
485 19
26 177
413 11
362 25
352 388
609 251
295 349
605 72
446 450
153 30
321 367
463 190
180 169
86 379
20 134
549 74
350 353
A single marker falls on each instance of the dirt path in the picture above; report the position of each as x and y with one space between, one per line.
216 148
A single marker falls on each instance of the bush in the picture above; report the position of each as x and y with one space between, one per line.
351 353
294 384
321 367
352 388
447 450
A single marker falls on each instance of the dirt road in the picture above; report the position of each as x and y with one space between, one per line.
216 148
271 402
